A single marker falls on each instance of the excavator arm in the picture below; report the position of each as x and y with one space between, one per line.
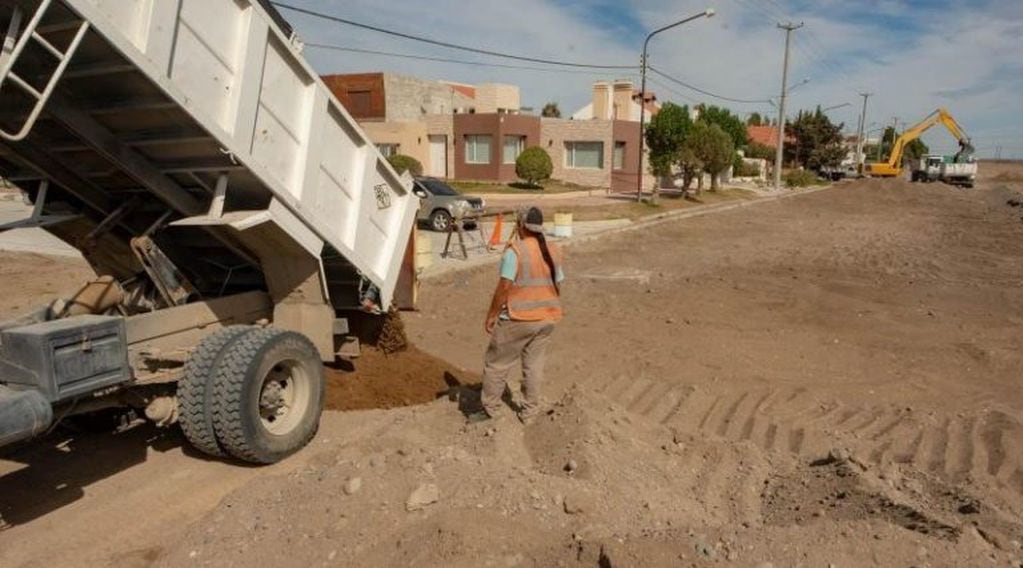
894 165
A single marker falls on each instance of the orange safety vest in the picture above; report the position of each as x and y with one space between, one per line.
533 296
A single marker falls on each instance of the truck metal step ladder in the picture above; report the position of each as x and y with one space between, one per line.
14 47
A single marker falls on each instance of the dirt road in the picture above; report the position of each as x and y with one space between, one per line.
704 376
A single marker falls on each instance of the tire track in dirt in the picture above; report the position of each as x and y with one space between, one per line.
984 444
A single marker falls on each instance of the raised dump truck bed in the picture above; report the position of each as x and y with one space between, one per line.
209 177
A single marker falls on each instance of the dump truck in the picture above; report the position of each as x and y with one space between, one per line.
945 169
234 214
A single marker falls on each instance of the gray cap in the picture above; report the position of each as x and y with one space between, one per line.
531 218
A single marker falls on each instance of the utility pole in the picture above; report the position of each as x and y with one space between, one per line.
859 135
895 135
789 28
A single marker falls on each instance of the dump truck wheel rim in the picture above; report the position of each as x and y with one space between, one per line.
284 397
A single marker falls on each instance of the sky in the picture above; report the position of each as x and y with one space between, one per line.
913 56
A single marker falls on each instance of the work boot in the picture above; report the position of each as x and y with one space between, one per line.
478 416
528 418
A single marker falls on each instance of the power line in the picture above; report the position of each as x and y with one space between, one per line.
705 92
442 43
812 48
673 91
330 47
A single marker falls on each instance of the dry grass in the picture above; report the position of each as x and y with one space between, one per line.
518 188
630 209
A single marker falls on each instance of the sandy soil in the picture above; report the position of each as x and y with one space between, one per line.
31 280
832 378
381 380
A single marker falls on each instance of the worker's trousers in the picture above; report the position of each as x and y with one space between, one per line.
510 342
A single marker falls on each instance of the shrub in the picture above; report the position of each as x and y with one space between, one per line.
402 163
800 178
534 166
746 170
755 150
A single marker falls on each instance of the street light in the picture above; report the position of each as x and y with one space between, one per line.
799 84
770 101
708 13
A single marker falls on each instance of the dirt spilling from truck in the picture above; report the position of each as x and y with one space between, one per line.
390 371
392 337
378 379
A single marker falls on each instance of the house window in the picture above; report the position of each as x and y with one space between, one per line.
477 149
619 156
513 146
584 155
388 150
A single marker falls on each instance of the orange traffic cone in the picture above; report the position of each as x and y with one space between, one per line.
495 237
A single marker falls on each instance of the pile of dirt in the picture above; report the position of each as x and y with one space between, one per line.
377 379
587 485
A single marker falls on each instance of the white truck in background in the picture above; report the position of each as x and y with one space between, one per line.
945 169
231 208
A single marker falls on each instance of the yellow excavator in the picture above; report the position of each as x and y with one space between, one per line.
893 167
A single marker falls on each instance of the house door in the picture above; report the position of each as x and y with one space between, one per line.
439 156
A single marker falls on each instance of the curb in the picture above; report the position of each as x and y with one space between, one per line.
659 218
650 221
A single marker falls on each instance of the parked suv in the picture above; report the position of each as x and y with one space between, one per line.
441 204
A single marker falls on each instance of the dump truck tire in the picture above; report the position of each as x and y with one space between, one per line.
268 394
195 390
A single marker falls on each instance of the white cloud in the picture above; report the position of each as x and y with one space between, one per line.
966 58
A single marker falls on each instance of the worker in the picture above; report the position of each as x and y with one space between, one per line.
525 307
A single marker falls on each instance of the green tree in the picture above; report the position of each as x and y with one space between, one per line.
730 123
690 164
913 150
713 147
755 119
551 110
664 137
534 166
757 150
818 141
402 163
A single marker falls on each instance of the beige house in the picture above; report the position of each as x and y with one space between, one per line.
412 116
616 100
497 98
409 138
582 151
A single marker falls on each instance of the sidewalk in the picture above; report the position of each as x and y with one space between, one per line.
477 247
582 231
